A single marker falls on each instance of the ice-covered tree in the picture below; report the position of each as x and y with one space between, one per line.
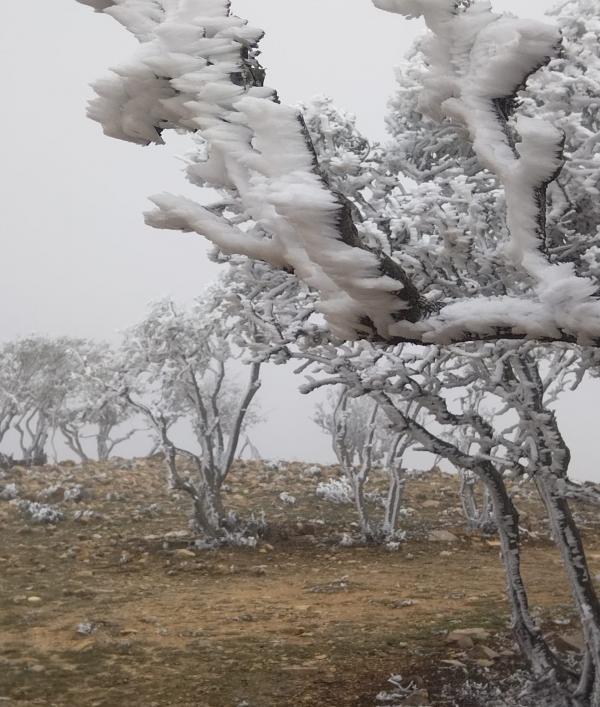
493 242
92 410
176 368
197 70
362 442
36 379
8 398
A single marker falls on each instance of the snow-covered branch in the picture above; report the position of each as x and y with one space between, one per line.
197 70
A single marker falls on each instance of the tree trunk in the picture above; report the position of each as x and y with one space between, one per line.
207 518
102 447
394 501
358 489
478 518
543 662
568 539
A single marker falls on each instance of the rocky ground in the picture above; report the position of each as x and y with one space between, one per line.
112 605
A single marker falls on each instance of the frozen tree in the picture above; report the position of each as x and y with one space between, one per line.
362 442
91 409
176 367
36 379
8 398
496 240
196 70
399 380
530 393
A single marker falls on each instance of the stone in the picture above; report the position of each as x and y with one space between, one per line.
184 553
420 698
570 641
475 634
465 643
431 504
258 570
176 535
442 536
484 653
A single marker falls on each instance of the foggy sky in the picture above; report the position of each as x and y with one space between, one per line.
77 257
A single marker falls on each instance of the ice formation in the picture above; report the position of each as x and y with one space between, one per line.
196 70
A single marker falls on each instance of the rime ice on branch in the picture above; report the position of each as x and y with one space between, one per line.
197 70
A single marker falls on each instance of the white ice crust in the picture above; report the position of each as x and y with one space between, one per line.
190 73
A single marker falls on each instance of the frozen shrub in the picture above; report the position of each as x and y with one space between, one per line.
338 491
9 492
75 493
86 515
40 512
86 628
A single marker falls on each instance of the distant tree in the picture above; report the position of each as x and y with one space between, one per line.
91 409
37 375
362 442
176 367
8 398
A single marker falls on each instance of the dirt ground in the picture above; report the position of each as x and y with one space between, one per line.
119 608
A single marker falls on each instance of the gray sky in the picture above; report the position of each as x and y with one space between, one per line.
78 258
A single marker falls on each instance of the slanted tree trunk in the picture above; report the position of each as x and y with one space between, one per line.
543 662
33 437
105 445
552 468
73 441
568 539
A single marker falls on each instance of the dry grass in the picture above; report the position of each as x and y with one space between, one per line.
298 620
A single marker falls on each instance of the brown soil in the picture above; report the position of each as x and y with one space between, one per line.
298 620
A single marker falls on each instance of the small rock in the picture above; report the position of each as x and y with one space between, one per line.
454 663
442 536
420 698
431 504
185 553
258 570
475 634
570 641
34 600
484 653
465 643
176 534
85 628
